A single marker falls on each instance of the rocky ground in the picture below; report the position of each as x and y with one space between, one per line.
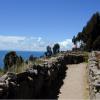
75 84
44 80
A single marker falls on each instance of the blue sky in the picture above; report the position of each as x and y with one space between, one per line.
33 24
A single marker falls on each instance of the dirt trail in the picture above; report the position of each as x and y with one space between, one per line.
75 84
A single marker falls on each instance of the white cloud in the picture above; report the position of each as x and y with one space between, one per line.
66 44
39 39
29 43
21 43
11 39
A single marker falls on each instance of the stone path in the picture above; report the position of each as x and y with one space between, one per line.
75 84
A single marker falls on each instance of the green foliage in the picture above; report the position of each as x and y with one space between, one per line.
96 44
49 51
32 58
90 35
74 39
12 59
56 48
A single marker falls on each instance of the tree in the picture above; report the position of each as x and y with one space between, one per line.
56 48
10 59
96 44
49 51
32 58
74 40
90 33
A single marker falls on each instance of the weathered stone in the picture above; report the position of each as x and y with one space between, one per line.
94 75
41 81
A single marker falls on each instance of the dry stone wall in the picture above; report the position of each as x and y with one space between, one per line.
39 81
94 75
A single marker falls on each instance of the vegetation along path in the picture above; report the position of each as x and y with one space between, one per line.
75 84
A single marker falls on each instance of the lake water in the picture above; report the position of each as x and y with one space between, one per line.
24 54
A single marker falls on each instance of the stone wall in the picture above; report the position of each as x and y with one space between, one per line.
94 75
39 81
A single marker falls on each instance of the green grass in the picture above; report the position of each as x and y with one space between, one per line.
86 54
1 72
22 67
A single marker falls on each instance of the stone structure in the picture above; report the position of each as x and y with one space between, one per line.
94 75
39 81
